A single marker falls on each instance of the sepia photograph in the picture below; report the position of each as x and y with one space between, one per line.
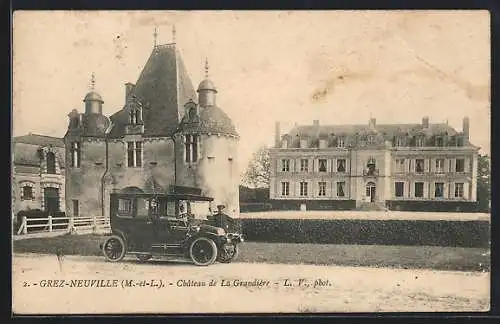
228 162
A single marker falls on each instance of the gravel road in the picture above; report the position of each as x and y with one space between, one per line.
89 285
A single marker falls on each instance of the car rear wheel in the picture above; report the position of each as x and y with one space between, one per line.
228 253
114 249
143 257
203 251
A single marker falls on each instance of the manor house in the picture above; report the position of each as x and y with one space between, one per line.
421 166
165 134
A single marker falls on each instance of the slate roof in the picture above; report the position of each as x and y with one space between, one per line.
162 88
41 140
26 149
213 120
386 130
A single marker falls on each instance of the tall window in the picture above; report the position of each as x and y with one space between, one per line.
419 189
322 165
419 141
439 190
285 165
304 165
76 208
341 142
285 188
400 141
341 165
399 188
400 165
341 189
439 165
191 148
303 188
460 165
419 165
460 141
371 139
134 154
322 188
75 154
51 163
459 190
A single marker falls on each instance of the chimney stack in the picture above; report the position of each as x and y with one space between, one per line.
425 122
465 128
372 122
129 90
316 122
277 134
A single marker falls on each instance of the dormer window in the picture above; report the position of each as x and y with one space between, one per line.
135 116
400 141
419 141
341 142
439 141
371 139
460 141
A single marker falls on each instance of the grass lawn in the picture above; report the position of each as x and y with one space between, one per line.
420 257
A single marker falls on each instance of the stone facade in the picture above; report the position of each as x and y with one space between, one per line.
38 174
374 166
164 135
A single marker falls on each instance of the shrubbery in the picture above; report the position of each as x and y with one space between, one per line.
369 232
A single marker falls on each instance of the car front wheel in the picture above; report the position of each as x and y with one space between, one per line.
228 253
203 251
114 248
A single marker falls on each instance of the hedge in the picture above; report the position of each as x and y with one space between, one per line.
368 232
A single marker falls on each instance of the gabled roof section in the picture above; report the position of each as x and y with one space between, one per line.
163 88
39 140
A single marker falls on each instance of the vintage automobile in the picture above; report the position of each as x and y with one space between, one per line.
177 224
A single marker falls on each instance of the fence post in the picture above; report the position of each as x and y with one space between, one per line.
70 224
25 225
50 223
94 224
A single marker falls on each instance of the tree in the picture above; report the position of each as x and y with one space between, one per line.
484 182
258 173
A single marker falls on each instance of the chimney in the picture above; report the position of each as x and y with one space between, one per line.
277 135
465 127
316 122
425 122
129 90
373 122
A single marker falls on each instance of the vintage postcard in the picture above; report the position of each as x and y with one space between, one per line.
250 162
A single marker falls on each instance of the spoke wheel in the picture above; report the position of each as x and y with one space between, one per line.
228 253
114 248
203 251
143 257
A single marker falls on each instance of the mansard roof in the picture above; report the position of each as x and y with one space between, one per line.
386 130
163 88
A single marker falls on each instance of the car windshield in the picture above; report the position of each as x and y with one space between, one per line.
195 209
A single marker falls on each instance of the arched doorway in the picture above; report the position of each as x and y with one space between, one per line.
371 191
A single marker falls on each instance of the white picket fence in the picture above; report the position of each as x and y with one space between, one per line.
77 225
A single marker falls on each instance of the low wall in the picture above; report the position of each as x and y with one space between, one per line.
368 232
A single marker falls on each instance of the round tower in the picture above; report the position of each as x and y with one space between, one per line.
210 149
93 100
206 90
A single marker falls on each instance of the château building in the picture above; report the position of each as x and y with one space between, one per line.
165 134
422 166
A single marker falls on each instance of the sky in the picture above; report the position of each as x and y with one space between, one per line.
338 67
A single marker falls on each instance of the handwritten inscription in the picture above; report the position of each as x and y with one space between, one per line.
180 283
